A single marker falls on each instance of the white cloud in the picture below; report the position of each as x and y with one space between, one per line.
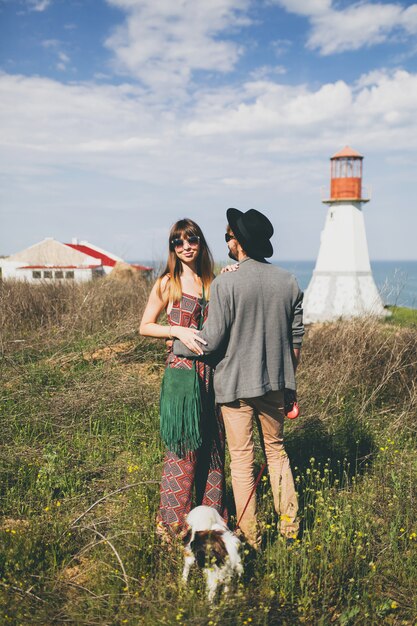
281 46
50 43
391 103
305 7
114 130
63 62
270 123
278 109
372 78
66 116
359 25
267 71
39 5
62 57
88 149
409 19
162 43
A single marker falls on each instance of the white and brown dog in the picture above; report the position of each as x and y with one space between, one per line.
214 547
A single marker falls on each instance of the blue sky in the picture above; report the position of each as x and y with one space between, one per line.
120 116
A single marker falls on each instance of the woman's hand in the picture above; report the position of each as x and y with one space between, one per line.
190 337
230 268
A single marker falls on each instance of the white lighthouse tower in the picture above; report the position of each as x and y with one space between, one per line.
342 285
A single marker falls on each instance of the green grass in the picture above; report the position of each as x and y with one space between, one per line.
79 429
402 316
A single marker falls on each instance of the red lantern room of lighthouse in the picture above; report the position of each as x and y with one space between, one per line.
346 176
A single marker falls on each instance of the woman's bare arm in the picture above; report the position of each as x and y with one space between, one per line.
149 326
157 302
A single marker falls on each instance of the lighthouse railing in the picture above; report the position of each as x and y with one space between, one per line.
365 195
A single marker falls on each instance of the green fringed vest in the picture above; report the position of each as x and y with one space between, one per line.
180 406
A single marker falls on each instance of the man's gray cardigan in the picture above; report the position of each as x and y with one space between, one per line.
255 320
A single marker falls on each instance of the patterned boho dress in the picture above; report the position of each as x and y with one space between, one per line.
204 467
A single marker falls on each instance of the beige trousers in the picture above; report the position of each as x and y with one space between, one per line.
239 419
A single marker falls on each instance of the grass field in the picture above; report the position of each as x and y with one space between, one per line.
81 459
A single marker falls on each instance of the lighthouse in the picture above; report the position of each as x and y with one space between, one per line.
342 285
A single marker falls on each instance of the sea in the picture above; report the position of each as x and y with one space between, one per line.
396 280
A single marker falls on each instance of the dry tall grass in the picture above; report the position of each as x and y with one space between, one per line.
363 362
82 308
366 362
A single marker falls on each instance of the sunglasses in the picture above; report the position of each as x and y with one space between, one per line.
193 242
228 237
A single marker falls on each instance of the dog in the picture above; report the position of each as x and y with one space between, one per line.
214 547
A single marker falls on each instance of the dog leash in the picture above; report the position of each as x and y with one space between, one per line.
261 471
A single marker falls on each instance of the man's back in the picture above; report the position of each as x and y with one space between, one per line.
258 312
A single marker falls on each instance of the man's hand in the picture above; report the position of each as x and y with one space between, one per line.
190 338
230 268
296 355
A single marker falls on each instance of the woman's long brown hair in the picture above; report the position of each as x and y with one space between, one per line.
205 264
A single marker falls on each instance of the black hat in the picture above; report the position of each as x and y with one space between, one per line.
253 230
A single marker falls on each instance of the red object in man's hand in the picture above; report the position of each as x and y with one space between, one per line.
292 409
295 411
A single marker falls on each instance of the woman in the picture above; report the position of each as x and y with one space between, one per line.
179 291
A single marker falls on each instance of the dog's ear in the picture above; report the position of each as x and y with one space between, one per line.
218 546
200 539
199 546
186 535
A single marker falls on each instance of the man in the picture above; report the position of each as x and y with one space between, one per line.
255 321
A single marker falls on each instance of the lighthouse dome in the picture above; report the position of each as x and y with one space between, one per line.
347 153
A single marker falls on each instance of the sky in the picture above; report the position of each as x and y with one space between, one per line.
119 117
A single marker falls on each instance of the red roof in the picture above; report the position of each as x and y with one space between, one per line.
105 260
347 152
142 268
58 267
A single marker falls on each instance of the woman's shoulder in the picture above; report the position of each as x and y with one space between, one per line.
163 281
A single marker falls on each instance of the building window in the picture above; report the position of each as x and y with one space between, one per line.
36 274
47 274
69 274
59 274
97 273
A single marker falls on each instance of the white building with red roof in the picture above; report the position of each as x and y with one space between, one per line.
51 260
